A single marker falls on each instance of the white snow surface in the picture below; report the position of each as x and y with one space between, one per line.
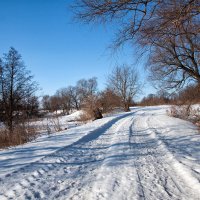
143 154
65 122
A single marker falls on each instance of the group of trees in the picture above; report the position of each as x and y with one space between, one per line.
18 101
186 96
161 98
17 90
71 97
122 86
168 29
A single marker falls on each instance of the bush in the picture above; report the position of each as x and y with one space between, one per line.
180 111
90 114
91 108
186 112
55 123
85 116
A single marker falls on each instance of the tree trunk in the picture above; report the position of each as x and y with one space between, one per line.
126 107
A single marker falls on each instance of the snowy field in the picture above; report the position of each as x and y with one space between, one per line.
144 154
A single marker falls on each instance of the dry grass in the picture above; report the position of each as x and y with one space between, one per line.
86 116
20 135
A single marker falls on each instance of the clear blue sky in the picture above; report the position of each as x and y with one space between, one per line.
57 50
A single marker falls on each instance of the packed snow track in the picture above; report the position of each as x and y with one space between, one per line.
143 154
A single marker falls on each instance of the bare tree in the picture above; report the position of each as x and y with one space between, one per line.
109 100
89 97
77 94
75 97
46 102
84 96
65 99
31 106
135 17
87 87
124 82
175 53
169 28
17 86
55 103
130 15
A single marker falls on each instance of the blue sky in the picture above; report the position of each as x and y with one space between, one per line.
58 50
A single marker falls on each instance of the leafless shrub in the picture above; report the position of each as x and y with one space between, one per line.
180 111
195 116
48 129
91 108
54 122
85 116
185 112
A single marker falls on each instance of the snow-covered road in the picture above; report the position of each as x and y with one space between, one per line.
143 154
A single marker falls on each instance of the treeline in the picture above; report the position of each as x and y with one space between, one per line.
19 104
188 95
122 86
185 96
71 97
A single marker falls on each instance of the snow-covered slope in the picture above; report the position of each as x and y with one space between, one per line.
143 154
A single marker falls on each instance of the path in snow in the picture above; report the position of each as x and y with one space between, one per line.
129 157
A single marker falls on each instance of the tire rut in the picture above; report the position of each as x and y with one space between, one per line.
154 166
59 174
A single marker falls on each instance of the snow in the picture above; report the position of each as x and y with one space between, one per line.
17 157
65 122
144 154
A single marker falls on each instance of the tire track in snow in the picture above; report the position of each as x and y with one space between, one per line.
123 159
157 178
140 188
34 176
116 177
190 182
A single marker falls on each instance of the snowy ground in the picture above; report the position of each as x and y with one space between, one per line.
52 123
143 154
